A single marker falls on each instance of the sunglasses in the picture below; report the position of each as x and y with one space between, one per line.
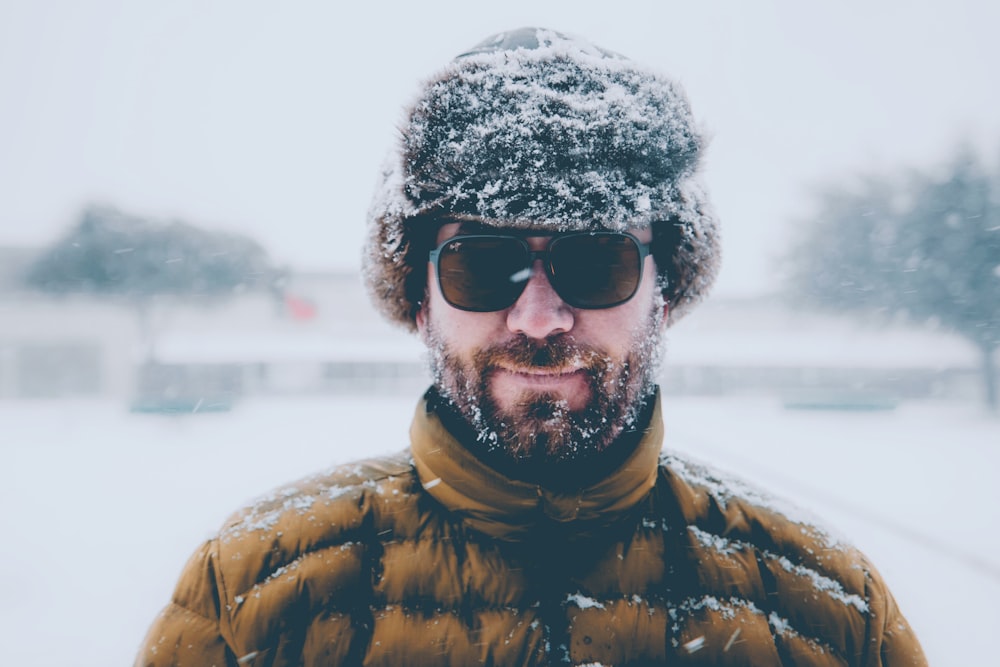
488 272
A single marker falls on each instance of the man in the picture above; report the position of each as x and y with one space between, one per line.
540 227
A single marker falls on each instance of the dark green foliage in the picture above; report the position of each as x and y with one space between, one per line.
113 253
924 247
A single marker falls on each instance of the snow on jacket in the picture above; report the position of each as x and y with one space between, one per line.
431 558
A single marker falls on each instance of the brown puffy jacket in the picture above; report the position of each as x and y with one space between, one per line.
432 558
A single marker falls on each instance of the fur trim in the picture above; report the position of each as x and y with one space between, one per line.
533 129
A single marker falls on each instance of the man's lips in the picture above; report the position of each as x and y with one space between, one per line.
538 370
541 376
510 384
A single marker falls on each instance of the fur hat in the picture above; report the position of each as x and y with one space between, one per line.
533 129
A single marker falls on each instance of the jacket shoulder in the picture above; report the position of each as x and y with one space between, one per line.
303 541
321 522
816 592
268 516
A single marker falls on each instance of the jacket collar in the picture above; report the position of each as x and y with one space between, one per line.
506 508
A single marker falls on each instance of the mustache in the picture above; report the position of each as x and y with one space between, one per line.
553 353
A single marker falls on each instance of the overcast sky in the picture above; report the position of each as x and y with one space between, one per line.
272 118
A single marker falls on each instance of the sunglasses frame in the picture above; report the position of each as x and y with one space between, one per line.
434 257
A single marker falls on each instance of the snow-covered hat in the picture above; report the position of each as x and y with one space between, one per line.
534 129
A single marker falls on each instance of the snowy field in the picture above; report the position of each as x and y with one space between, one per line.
104 507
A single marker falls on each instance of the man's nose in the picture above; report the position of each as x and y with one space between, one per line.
539 312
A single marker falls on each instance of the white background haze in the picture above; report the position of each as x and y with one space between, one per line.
273 119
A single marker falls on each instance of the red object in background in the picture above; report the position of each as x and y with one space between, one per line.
299 309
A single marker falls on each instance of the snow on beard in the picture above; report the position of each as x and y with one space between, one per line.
541 427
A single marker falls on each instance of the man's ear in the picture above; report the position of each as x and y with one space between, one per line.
666 316
420 317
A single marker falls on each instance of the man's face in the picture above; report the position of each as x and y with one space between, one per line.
541 380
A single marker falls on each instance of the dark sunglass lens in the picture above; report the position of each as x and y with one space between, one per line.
482 273
595 270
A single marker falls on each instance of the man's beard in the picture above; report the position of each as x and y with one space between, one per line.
540 428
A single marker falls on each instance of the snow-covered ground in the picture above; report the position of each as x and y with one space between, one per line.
103 507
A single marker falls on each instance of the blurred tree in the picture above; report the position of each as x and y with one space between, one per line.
112 253
923 247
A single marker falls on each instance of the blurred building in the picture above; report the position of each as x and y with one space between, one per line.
322 335
760 345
